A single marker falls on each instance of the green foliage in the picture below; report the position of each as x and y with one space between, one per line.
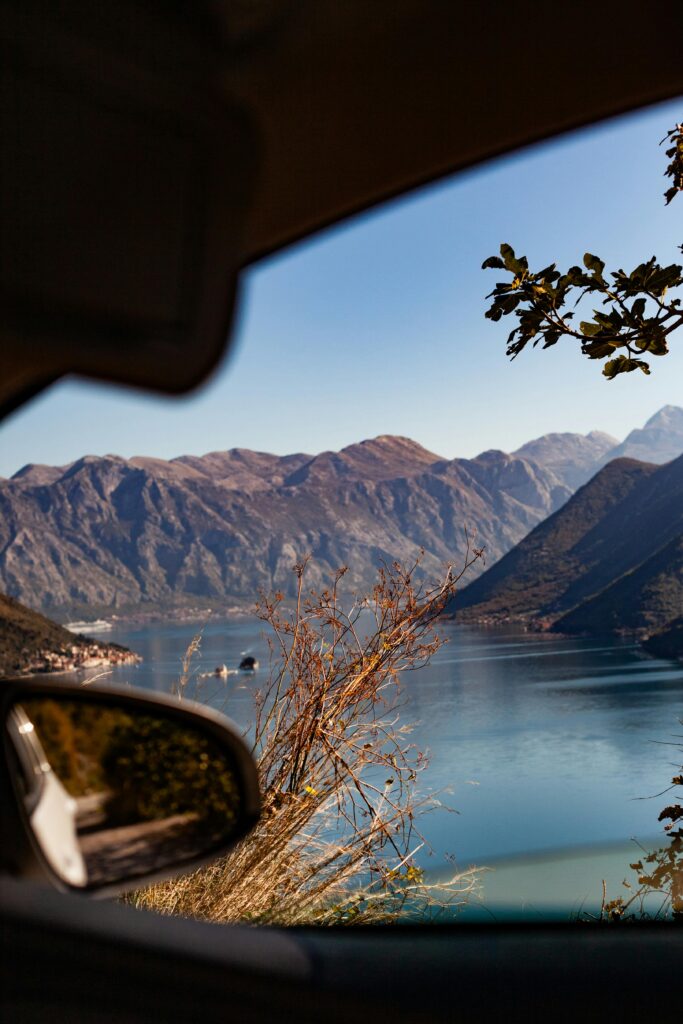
149 766
637 316
156 769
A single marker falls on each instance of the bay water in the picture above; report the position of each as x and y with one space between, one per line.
534 743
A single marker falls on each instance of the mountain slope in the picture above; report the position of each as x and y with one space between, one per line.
644 598
114 533
668 642
30 641
609 558
537 572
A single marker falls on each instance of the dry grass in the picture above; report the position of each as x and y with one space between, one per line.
340 778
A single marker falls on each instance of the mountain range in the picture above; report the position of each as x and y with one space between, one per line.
575 458
107 533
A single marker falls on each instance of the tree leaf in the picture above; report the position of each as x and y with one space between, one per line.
599 349
622 364
519 267
593 263
509 303
493 261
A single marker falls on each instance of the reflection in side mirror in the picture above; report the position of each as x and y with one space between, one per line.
119 791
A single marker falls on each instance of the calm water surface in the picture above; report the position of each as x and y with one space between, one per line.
540 743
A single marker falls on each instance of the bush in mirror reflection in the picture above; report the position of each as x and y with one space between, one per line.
122 794
155 769
149 766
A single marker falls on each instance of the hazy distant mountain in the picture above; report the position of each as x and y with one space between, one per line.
110 532
611 558
660 440
574 458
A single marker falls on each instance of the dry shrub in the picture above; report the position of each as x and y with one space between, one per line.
339 776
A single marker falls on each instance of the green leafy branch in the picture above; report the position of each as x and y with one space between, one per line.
639 316
674 169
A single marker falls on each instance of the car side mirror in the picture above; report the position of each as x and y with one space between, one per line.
112 790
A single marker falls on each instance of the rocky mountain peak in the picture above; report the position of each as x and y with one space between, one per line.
575 458
113 533
37 474
602 439
668 417
386 457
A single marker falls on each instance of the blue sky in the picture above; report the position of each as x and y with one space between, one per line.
378 326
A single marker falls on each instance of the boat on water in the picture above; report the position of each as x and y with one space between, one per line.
97 626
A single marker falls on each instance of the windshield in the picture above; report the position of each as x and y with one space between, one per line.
440 590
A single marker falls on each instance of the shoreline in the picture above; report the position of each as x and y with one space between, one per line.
146 618
80 657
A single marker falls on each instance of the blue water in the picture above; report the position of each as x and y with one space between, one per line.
536 743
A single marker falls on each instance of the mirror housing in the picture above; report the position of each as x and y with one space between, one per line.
110 789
